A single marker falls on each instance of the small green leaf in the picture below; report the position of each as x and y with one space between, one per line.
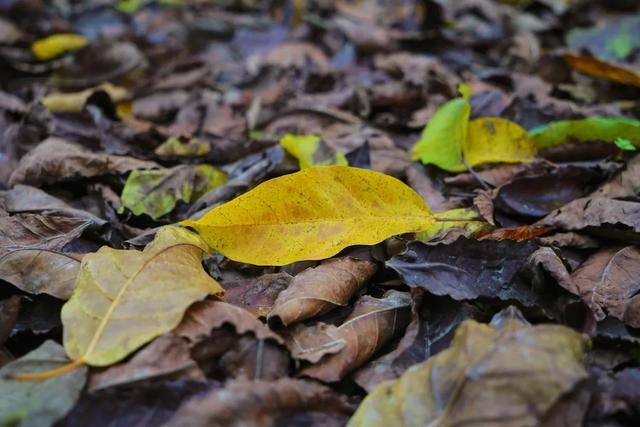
625 144
156 192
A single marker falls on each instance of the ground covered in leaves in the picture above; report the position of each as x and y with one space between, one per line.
365 212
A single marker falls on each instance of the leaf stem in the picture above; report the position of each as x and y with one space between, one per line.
41 376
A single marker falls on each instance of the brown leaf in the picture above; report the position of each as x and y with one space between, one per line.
261 403
524 232
602 69
613 218
570 239
625 184
312 343
167 357
41 271
258 294
56 159
229 341
372 324
318 290
27 231
608 283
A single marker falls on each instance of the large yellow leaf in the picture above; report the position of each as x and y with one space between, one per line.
57 44
312 214
494 140
125 298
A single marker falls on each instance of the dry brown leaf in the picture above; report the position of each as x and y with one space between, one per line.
620 218
608 283
625 184
317 290
312 343
56 159
603 70
261 403
372 324
41 271
256 295
167 357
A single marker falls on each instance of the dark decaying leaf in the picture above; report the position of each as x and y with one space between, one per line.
145 404
317 290
9 309
256 295
372 324
264 403
167 357
55 160
229 341
39 403
598 215
508 375
608 283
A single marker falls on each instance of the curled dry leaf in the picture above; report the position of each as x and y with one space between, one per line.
39 404
608 283
247 349
167 357
312 214
626 184
317 290
372 324
514 374
260 403
256 295
55 160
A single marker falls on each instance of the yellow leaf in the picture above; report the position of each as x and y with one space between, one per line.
464 218
494 140
125 298
74 102
602 69
312 214
311 151
506 375
57 44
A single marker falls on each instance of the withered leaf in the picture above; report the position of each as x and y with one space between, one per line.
625 184
256 295
227 339
9 309
510 375
261 403
608 283
372 324
33 231
318 290
600 215
311 343
467 269
55 160
41 271
434 320
167 357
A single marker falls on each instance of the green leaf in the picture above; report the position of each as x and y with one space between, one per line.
39 404
624 144
310 150
443 137
592 129
156 192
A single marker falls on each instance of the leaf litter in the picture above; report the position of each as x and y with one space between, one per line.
319 213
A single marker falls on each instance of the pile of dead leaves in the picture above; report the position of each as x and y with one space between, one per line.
370 212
